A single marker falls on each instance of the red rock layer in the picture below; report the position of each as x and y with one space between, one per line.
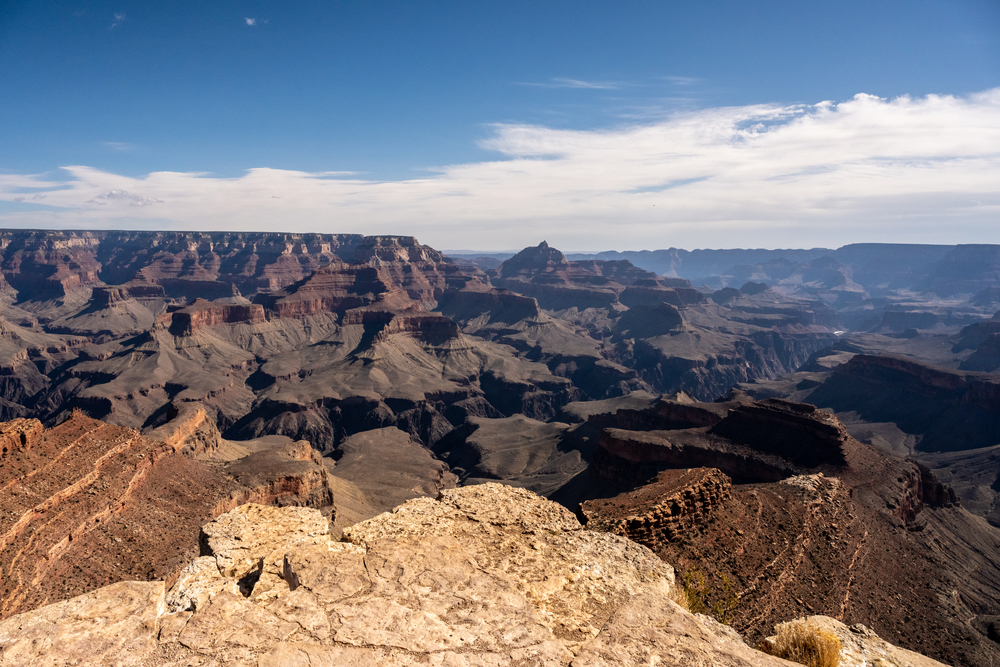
335 288
203 313
675 503
87 504
864 537
45 264
420 271
49 264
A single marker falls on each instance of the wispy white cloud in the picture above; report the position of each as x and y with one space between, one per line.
683 80
575 83
250 21
119 19
118 145
867 169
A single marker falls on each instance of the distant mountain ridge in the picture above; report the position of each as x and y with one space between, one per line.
941 268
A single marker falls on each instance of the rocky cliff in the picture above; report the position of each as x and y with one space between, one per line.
659 512
544 273
482 575
188 264
88 502
950 409
772 505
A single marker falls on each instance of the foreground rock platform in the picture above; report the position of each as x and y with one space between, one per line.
483 575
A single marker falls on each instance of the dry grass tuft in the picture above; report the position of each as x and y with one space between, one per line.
803 642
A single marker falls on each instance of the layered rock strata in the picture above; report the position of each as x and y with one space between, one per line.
659 512
950 410
88 503
858 535
483 575
544 273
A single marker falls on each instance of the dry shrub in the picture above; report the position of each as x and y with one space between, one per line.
702 597
805 643
680 595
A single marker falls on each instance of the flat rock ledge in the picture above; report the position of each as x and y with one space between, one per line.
484 575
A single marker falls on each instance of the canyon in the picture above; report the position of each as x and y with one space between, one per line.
798 433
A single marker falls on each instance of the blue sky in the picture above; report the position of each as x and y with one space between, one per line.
487 124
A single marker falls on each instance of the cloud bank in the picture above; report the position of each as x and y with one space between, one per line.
867 169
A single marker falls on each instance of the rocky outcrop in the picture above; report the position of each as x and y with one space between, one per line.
648 321
185 321
422 272
660 511
950 409
18 436
483 575
113 625
290 473
642 293
497 305
624 459
859 646
932 492
430 328
334 288
189 429
666 414
986 358
797 432
544 273
974 335
750 441
88 502
807 505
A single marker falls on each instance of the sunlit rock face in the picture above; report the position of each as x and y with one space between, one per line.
483 575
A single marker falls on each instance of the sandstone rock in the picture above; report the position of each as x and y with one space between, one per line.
241 539
231 620
485 575
115 625
18 435
860 647
197 583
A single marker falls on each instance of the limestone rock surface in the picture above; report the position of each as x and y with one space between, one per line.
484 575
861 647
114 625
